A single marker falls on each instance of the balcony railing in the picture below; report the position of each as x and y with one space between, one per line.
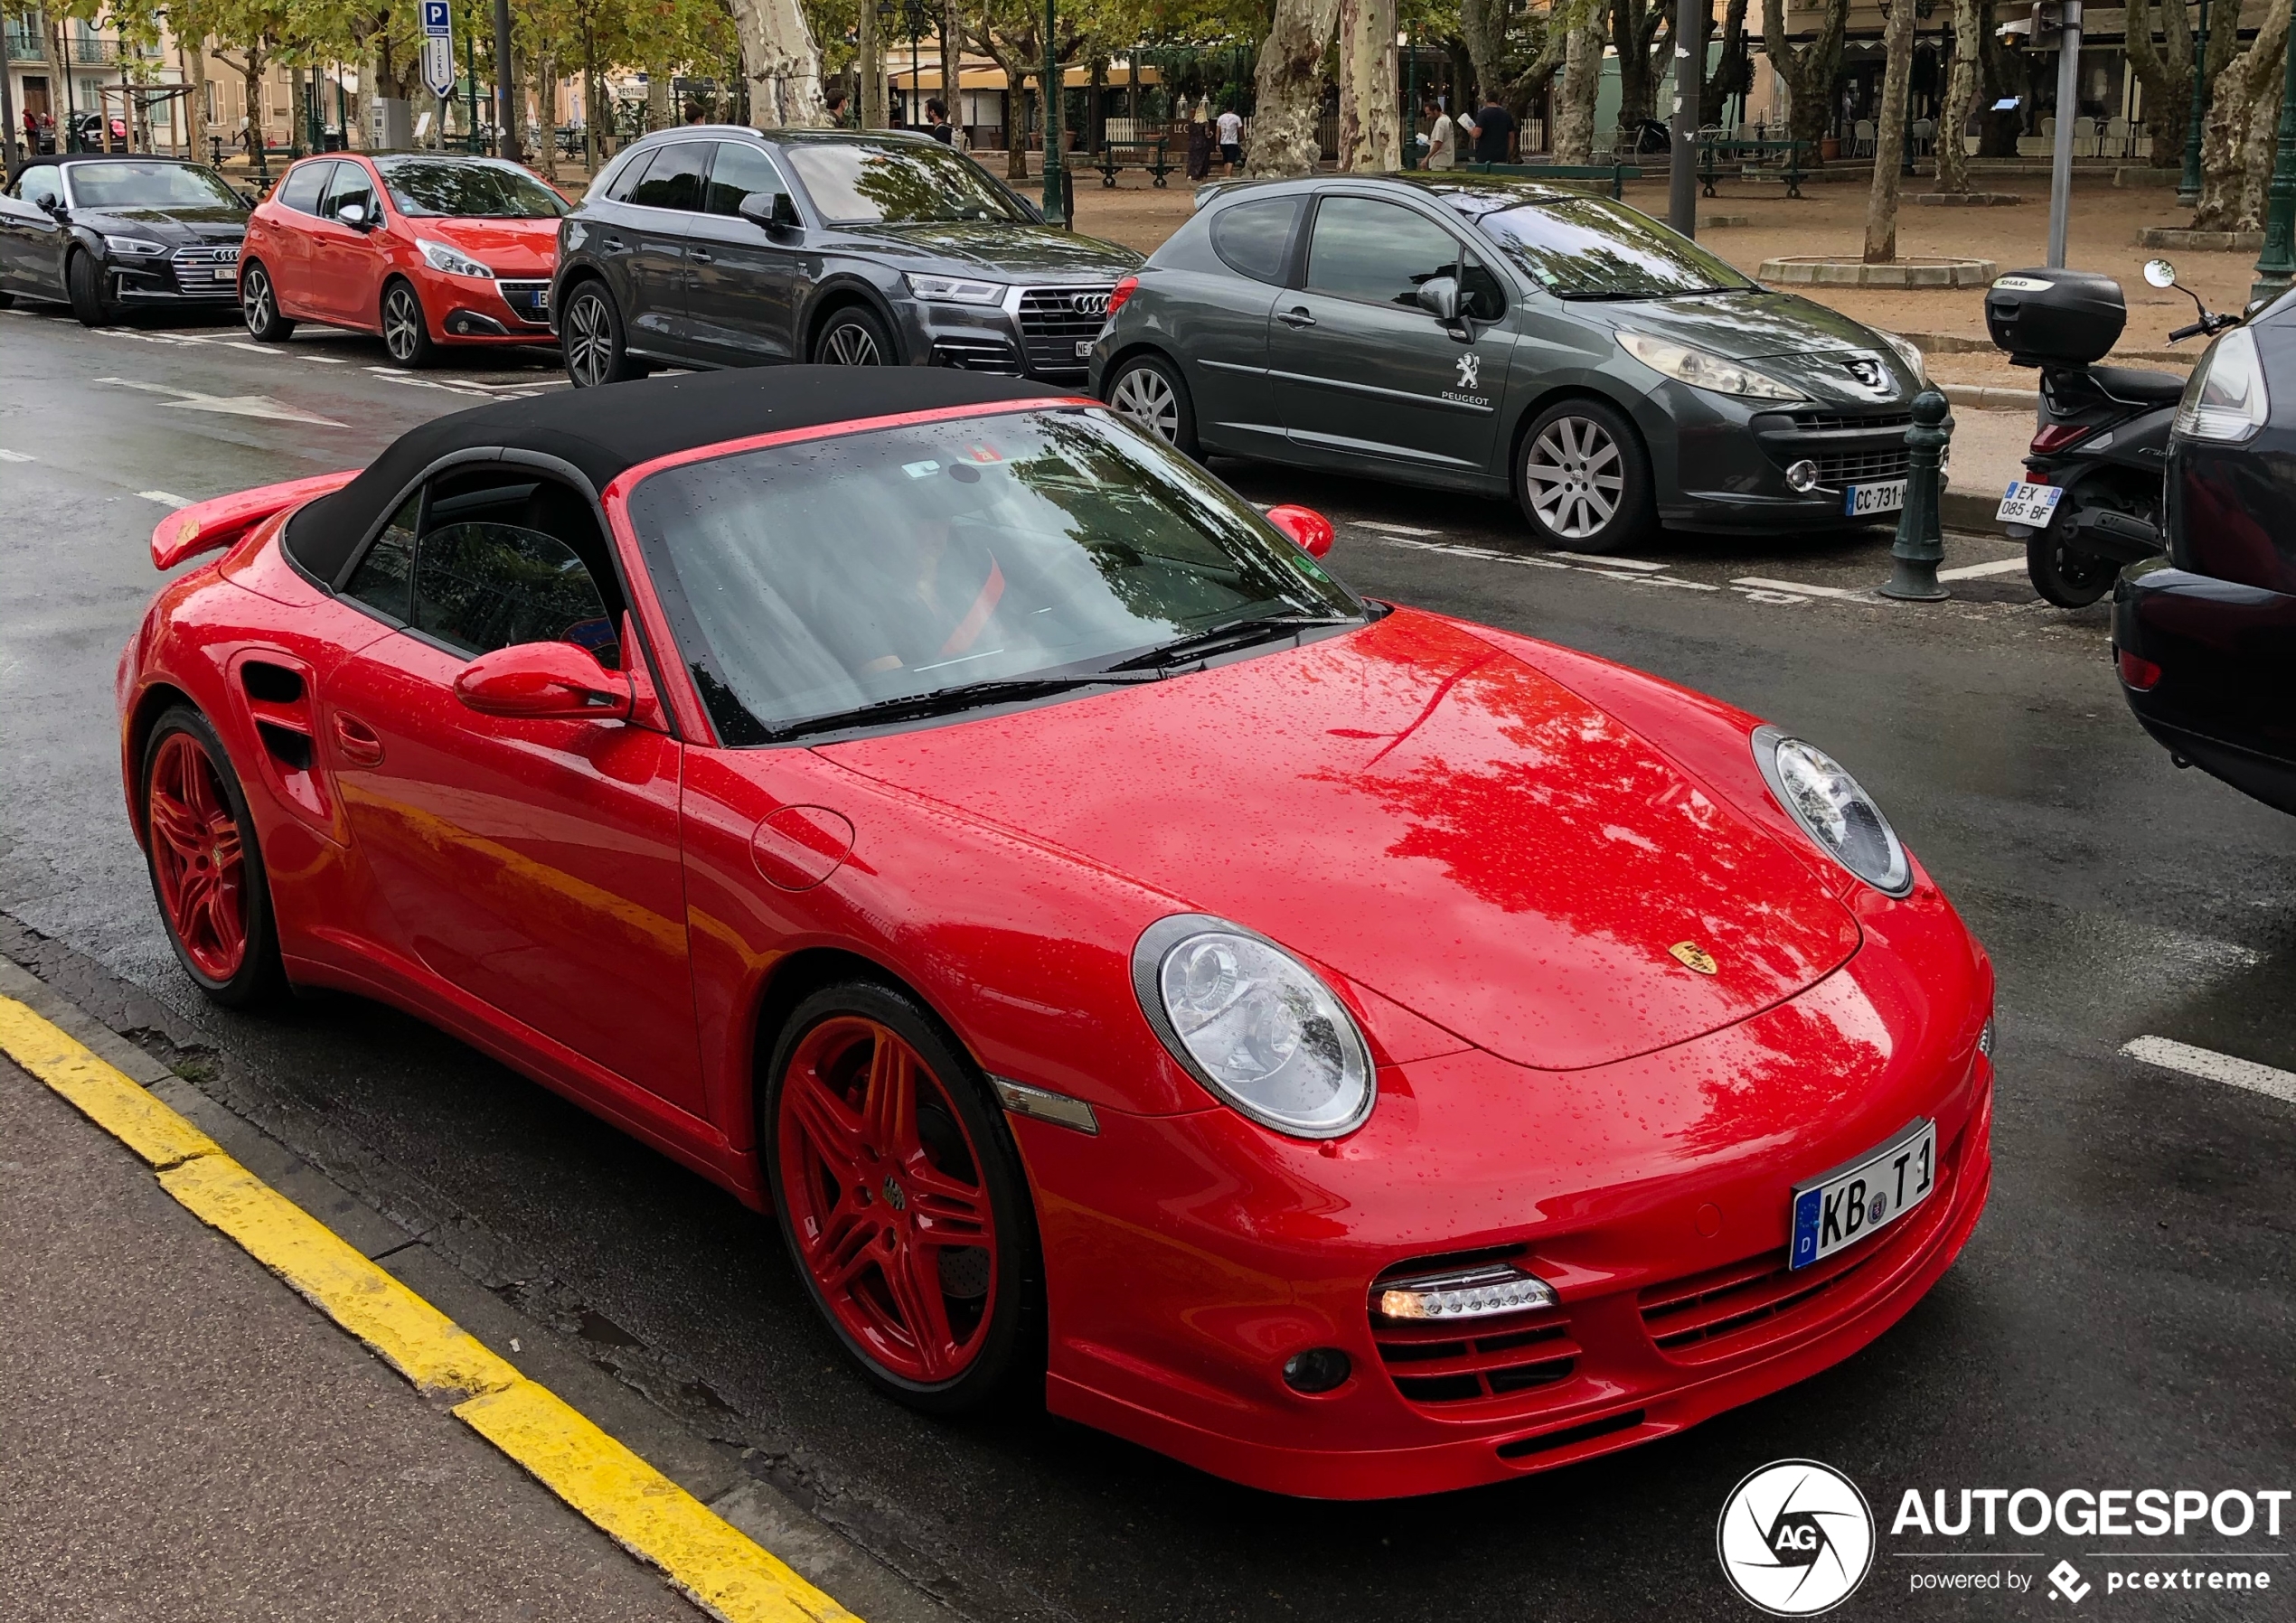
23 46
89 51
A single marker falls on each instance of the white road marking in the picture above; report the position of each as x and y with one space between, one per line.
1383 524
262 405
1755 594
2211 1067
167 500
1999 566
20 456
1758 583
339 361
1595 557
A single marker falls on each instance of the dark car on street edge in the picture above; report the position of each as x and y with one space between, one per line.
723 246
2204 639
106 234
1505 337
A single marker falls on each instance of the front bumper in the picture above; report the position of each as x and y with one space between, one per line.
1178 1291
1721 464
2218 702
1036 332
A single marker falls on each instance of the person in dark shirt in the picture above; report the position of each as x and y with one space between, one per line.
1493 125
937 123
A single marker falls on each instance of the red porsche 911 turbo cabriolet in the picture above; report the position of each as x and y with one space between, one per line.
1354 1051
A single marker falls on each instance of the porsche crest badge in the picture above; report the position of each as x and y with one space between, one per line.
1692 956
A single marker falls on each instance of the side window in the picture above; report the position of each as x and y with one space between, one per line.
1480 295
39 185
1375 252
622 177
304 186
740 171
384 579
673 180
1255 238
352 184
481 585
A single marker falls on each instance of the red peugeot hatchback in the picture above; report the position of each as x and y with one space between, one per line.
424 249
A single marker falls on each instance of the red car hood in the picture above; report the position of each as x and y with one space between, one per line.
518 247
1428 816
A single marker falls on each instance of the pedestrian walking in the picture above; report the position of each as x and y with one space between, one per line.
1231 139
937 122
1443 136
1492 127
836 100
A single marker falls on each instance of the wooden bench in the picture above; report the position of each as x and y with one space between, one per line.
1116 155
1728 149
1618 174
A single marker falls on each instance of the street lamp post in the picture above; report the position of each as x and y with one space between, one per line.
1054 209
2189 186
2276 266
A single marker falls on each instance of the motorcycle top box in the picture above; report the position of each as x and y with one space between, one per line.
2055 317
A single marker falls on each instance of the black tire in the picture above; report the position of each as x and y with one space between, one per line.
259 978
591 339
853 336
259 306
1009 1366
406 329
1583 479
6 300
1148 390
84 281
2063 575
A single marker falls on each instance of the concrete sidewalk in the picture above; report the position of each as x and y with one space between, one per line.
184 1438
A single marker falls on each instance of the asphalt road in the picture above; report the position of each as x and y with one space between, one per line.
2123 1317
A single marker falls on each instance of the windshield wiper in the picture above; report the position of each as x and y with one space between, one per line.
1236 633
949 701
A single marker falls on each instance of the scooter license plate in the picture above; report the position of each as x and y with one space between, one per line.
2029 505
1861 500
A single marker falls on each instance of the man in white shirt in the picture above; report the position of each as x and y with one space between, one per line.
1232 140
1442 137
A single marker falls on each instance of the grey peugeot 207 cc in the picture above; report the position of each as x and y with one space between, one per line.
724 246
1508 337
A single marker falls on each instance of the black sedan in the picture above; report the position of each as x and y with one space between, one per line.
724 246
2204 638
1508 338
108 234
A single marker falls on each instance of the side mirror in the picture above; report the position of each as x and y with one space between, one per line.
1439 297
2161 273
53 205
542 681
353 215
1304 525
776 212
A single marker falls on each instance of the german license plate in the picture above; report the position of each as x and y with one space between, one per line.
1862 1197
2029 505
1084 348
1861 500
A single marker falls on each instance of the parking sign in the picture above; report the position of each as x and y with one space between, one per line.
438 48
437 18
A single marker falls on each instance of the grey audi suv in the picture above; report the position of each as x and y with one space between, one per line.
716 246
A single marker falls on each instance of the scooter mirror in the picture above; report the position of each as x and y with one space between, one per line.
2161 273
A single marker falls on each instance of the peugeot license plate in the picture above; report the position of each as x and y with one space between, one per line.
1870 1193
2028 504
1859 501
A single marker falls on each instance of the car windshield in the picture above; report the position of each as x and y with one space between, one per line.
897 182
813 580
1589 248
149 186
467 188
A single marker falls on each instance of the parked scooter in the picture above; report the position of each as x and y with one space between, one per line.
2090 501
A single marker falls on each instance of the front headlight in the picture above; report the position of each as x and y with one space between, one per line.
135 248
1908 351
955 290
1833 810
2225 398
1702 371
439 256
1254 1025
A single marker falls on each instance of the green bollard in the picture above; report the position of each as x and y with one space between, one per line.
1919 547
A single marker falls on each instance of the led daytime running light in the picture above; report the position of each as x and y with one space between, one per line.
1469 1294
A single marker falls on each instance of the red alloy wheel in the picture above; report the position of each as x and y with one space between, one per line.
888 1206
196 855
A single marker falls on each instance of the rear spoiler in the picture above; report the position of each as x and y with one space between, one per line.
206 526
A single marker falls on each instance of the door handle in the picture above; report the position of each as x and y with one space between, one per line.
360 744
700 256
612 242
1296 316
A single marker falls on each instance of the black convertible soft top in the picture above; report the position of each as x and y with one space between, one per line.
603 432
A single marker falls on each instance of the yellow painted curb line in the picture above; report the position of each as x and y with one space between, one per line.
726 1573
